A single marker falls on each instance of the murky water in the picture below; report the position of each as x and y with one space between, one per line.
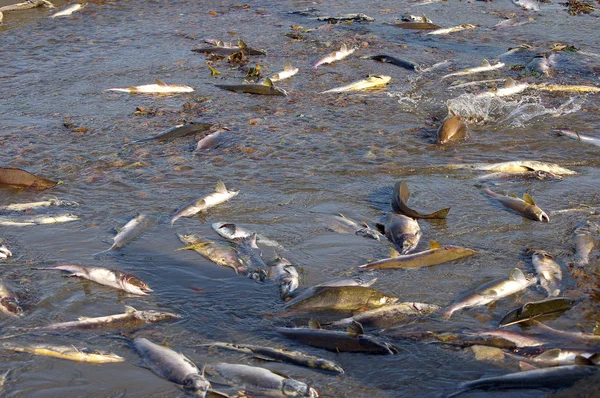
293 159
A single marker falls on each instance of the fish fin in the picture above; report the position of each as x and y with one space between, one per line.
510 82
434 245
343 47
195 246
117 273
242 44
516 275
550 354
355 329
394 253
200 203
404 192
268 82
423 18
595 358
528 199
314 324
220 188
161 83
581 360
485 62
288 66
220 43
129 309
440 213
165 343
526 366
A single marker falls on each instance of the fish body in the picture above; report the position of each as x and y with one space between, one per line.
209 141
107 277
452 129
288 71
223 48
359 17
264 88
437 254
27 5
436 66
417 25
369 83
171 365
231 231
131 318
4 252
286 276
484 67
566 88
510 88
492 291
388 315
40 219
400 199
584 243
342 224
579 137
530 5
36 205
525 206
65 352
132 230
221 194
281 355
535 309
181 130
548 271
537 174
311 290
445 31
404 232
159 88
255 265
67 11
561 357
520 166
342 53
396 61
219 253
539 64
9 304
259 381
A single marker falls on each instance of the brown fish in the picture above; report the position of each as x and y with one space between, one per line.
452 129
400 203
525 206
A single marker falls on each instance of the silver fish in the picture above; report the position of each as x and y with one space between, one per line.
584 243
107 277
388 315
453 29
288 71
209 141
484 67
516 166
220 195
255 265
548 272
131 230
335 56
67 11
285 276
527 4
404 232
40 219
173 366
159 88
36 205
4 252
539 64
342 224
579 137
560 357
510 88
231 231
525 206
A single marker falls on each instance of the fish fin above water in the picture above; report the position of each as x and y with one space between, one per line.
314 324
343 48
524 366
288 67
355 329
550 354
528 199
443 213
161 83
268 82
516 275
220 43
165 343
220 188
242 44
129 309
394 253
434 245
581 360
404 193
485 63
510 82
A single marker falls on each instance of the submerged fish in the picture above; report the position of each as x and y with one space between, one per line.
131 230
36 205
231 231
219 253
286 276
65 352
400 199
436 254
579 137
181 130
220 195
264 88
525 206
159 88
539 64
209 141
537 174
452 129
342 224
492 291
67 11
484 67
39 219
281 355
288 71
417 25
388 315
396 61
566 88
107 277
9 304
527 4
517 166
510 88
342 53
360 17
444 31
548 271
369 83
532 310
404 232
4 252
584 243
171 365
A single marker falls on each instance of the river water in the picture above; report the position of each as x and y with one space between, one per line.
294 160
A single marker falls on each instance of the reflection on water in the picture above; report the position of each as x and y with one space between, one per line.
294 159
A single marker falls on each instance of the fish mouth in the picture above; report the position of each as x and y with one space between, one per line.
544 217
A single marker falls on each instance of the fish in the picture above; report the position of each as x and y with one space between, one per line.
342 53
561 357
40 219
221 48
546 378
537 174
396 61
415 18
159 88
342 224
70 353
209 141
579 137
548 271
354 340
258 381
444 31
513 50
171 365
36 205
26 5
526 206
369 83
4 252
535 309
221 194
67 11
9 303
311 290
510 88
404 232
584 243
539 64
264 88
578 337
219 253
286 276
359 17
281 355
400 199
231 231
1 19
565 88
134 228
436 66
288 71
484 67
492 291
417 25
179 131
107 277
132 318
388 315
517 166
452 129
436 254
255 265
527 4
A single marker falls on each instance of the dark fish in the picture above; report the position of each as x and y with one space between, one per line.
536 309
221 49
182 130
400 203
396 61
416 25
265 88
452 129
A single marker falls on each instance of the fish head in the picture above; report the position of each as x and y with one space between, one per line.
295 388
538 214
288 284
258 274
196 383
409 242
135 281
151 316
11 306
546 175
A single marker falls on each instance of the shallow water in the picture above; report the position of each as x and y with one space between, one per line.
293 159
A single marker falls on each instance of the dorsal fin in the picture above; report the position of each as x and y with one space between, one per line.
550 354
528 199
242 44
434 245
581 360
510 82
526 366
394 253
288 66
252 240
344 48
516 275
423 18
485 62
268 82
314 324
129 309
164 343
404 193
220 188
355 329
161 83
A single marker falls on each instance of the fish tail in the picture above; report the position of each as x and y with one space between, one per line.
439 214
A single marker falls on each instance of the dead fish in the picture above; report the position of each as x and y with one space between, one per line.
445 31
525 206
179 131
171 365
535 309
4 252
221 48
40 219
65 352
288 71
417 25
134 228
510 88
211 140
560 357
251 258
388 315
26 5
452 129
130 319
513 50
436 66
517 166
400 199
436 254
286 276
219 253
492 291
540 64
404 232
231 231
159 88
371 82
484 67
396 61
579 137
342 224
584 243
9 303
527 4
67 11
264 88
548 271
221 194
536 174
565 88
107 277
311 290
36 205
281 355
342 53
578 337
359 17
